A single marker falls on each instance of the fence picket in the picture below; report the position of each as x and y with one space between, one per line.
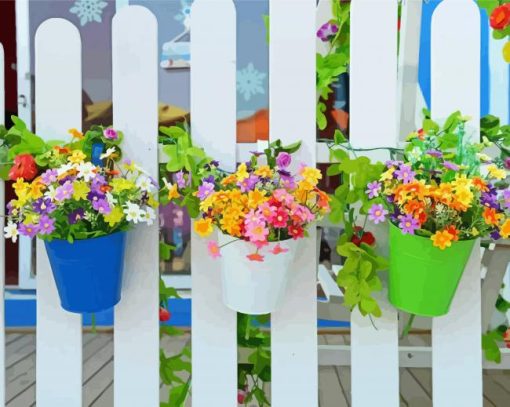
292 117
213 74
2 242
57 109
373 92
135 112
455 85
324 14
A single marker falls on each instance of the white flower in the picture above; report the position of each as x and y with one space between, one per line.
145 183
483 157
11 231
86 171
133 212
64 168
414 154
111 200
149 215
51 192
108 153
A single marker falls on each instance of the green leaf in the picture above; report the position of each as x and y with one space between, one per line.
339 137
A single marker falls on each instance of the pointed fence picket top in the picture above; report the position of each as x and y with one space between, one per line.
57 109
292 118
2 241
135 112
455 85
374 351
213 109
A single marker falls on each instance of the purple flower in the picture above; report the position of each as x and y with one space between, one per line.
46 225
506 198
212 164
180 180
283 160
49 176
256 153
94 196
327 31
405 174
408 224
29 230
435 153
377 213
288 181
97 183
393 163
490 200
64 192
102 206
284 173
110 134
506 163
373 189
205 190
248 184
76 215
495 235
209 179
451 166
43 206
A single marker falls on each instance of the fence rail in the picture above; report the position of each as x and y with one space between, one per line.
374 110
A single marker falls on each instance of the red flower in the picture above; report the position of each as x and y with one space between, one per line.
255 257
500 17
280 218
241 395
452 230
278 249
367 237
24 167
164 314
296 231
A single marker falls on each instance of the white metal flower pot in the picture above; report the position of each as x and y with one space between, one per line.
254 287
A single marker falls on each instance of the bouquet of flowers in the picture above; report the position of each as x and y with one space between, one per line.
446 189
68 197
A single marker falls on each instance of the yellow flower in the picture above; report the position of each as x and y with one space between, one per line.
387 175
228 180
505 229
36 188
75 133
242 172
475 232
464 196
31 218
506 52
203 227
115 216
442 239
173 193
496 172
152 201
80 190
264 171
77 157
461 181
22 190
311 175
121 184
255 198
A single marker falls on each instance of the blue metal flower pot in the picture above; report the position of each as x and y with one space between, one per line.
88 273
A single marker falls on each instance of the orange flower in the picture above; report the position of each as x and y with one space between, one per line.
442 239
255 257
505 229
76 133
203 227
62 150
491 217
452 230
480 184
414 207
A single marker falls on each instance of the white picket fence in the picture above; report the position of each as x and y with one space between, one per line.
457 358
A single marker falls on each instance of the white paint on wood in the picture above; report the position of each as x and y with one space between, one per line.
2 241
58 108
213 107
499 81
135 112
373 107
408 59
324 14
24 73
292 118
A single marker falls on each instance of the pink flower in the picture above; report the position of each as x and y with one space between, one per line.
251 218
302 213
267 210
110 134
280 218
278 249
213 249
257 232
282 195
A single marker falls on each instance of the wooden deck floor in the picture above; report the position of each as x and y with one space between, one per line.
334 382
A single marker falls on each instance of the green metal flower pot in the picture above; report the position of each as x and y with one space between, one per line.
423 279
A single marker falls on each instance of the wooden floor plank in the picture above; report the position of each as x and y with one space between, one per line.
330 392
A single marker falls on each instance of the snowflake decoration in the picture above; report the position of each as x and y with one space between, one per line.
88 10
250 82
185 15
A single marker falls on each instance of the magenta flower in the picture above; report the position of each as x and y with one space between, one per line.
451 166
327 31
377 213
205 190
49 176
102 206
283 160
46 225
248 184
373 189
405 174
506 163
435 153
64 192
408 224
110 134
29 230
